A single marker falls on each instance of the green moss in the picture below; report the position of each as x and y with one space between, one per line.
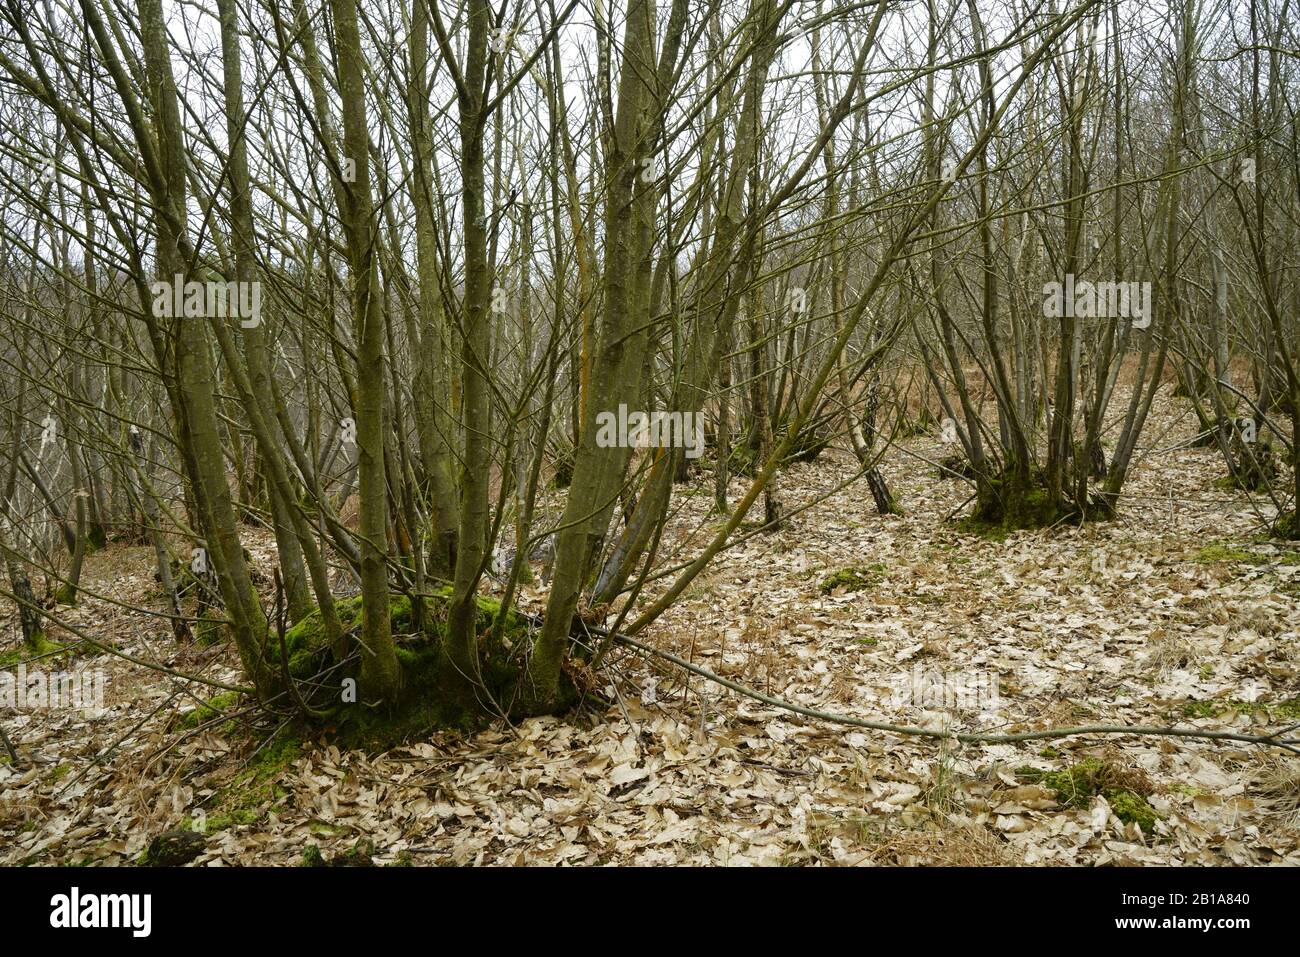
1287 526
358 856
1217 552
172 849
1241 482
271 760
989 531
1015 500
853 578
1131 808
39 646
245 816
305 640
1076 785
215 707
325 829
312 857
255 789
1248 478
434 693
1288 710
210 631
1032 510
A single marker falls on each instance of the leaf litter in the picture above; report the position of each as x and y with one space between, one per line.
1177 612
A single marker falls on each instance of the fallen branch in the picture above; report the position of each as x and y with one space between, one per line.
110 650
966 737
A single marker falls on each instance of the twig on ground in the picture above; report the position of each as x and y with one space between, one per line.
966 737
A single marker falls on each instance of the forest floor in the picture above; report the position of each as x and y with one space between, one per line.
1180 611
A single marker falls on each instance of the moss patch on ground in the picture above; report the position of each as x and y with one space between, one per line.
43 647
1124 789
1227 553
173 849
852 578
359 855
1269 710
252 794
1218 552
1131 808
213 708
